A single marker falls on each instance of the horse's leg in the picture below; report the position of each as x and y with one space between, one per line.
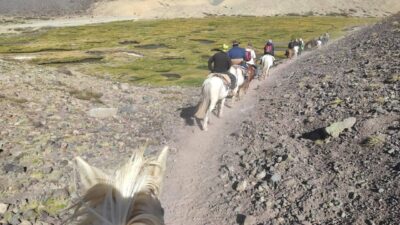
239 93
234 93
221 108
206 120
261 74
246 87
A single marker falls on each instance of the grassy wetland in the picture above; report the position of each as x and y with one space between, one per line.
161 52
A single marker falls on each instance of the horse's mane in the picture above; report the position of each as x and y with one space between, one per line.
129 196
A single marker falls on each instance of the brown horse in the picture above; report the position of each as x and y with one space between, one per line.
128 197
251 72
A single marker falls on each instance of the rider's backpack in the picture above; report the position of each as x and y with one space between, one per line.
247 56
268 49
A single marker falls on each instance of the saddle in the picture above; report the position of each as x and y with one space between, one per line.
225 78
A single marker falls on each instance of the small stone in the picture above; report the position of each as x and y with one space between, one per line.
310 119
15 219
250 220
381 190
124 86
336 128
241 153
3 208
9 167
241 186
25 222
276 178
103 112
261 175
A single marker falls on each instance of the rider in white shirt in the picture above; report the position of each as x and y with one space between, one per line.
252 61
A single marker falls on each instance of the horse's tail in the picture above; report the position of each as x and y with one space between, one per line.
204 103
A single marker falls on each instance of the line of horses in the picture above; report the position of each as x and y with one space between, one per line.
214 92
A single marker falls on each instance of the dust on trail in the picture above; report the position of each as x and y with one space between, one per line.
192 170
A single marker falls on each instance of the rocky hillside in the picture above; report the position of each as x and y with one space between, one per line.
48 116
323 146
46 8
197 8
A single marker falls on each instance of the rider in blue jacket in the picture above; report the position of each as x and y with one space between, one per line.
236 53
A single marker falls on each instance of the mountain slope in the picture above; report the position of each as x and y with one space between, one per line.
198 8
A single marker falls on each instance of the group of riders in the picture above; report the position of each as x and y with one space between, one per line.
221 61
295 48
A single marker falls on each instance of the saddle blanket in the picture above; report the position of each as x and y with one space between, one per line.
223 76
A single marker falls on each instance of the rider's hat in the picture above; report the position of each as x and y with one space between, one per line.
225 47
235 42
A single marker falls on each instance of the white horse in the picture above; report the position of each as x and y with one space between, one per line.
214 92
128 197
319 43
238 71
296 51
266 62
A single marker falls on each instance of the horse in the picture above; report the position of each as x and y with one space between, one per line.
319 43
251 72
129 197
311 44
266 62
239 72
214 92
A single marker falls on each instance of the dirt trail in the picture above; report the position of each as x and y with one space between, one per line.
193 168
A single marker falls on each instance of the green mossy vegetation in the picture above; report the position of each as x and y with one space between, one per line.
53 206
176 46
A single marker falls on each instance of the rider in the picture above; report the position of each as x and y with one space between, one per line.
301 47
220 63
290 49
253 58
252 54
237 54
269 48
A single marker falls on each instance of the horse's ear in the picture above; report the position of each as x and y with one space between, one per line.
89 175
162 159
158 169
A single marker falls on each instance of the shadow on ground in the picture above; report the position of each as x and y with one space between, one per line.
187 113
318 134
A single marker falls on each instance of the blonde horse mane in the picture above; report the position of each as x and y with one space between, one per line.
128 197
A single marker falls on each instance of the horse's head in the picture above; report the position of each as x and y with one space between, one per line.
129 197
